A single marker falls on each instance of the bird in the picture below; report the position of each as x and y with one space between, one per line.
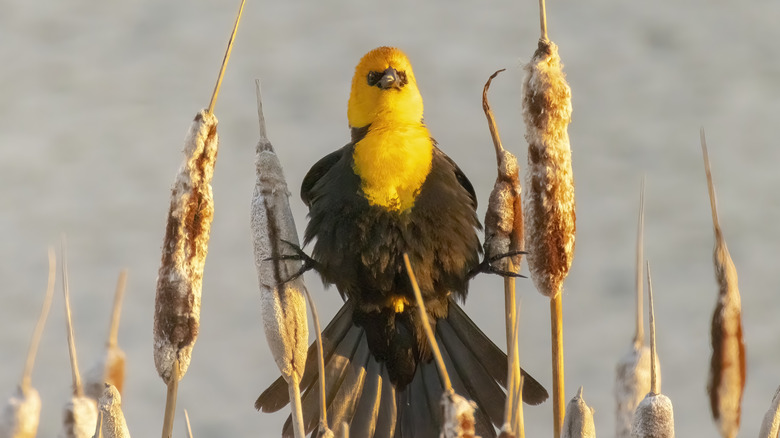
391 190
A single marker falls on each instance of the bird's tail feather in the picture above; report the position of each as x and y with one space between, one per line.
490 356
359 391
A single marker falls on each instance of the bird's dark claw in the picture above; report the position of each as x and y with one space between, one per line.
308 263
486 266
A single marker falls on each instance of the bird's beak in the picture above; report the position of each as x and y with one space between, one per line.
389 80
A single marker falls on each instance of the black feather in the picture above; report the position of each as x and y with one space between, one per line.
367 410
490 356
342 408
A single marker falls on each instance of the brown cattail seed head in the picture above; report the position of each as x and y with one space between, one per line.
549 201
504 216
180 279
458 419
726 379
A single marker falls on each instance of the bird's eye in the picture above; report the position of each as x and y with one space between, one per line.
402 78
373 78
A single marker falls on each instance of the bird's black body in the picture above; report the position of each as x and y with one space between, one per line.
359 247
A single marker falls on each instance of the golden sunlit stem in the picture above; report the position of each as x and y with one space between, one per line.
225 60
170 401
427 326
320 361
556 326
38 332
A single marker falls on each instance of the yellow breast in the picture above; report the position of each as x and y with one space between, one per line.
393 163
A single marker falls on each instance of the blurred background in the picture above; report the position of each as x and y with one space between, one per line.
97 98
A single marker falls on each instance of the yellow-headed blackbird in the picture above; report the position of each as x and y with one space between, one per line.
391 191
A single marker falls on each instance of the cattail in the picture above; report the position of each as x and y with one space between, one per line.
21 413
504 216
548 207
179 282
282 296
185 246
504 234
770 427
458 417
727 367
632 380
110 368
79 419
654 416
110 405
578 422
80 413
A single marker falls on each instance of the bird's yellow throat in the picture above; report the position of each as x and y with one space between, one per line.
394 158
393 162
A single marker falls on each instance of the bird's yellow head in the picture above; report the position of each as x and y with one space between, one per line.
384 88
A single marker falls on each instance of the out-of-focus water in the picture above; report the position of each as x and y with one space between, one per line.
97 97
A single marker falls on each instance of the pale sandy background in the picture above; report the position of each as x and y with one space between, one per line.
97 97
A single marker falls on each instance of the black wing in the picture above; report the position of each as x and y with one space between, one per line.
317 171
462 179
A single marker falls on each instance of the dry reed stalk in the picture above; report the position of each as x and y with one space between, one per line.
632 381
99 426
110 368
654 416
726 380
457 412
549 210
323 427
344 430
445 377
770 426
578 422
225 59
20 416
80 413
110 405
282 300
187 421
514 426
504 233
